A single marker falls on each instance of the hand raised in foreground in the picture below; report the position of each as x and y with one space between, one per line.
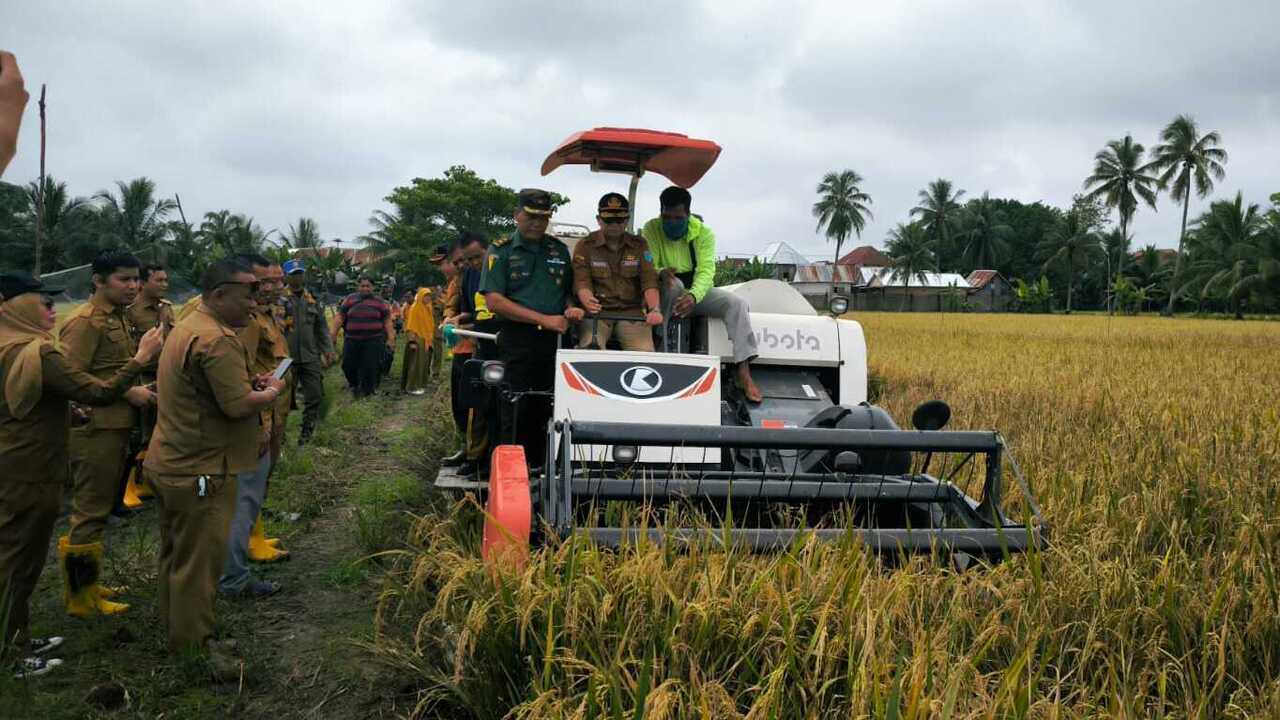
13 100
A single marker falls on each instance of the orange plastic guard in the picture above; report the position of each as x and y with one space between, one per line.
509 509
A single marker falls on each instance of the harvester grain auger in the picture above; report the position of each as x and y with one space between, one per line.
663 447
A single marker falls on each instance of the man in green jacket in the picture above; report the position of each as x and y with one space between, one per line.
684 252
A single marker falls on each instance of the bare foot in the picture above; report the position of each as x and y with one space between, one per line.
748 385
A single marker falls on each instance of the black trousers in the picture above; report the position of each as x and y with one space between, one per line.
530 358
455 393
362 364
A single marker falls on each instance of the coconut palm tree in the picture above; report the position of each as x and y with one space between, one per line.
842 208
939 212
1230 255
1071 243
306 234
911 255
1120 179
135 216
984 235
59 206
1187 160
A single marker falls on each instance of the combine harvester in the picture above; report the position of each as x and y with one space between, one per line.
662 446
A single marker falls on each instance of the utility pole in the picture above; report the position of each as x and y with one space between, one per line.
40 190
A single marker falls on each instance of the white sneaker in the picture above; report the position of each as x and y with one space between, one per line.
40 646
34 666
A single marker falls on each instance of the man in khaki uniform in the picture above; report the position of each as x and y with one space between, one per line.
151 309
96 339
309 344
208 431
613 272
266 347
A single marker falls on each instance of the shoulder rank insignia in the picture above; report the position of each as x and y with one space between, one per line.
500 242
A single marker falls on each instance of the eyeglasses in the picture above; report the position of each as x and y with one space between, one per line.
253 286
613 221
48 302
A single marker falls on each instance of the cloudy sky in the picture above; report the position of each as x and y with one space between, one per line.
284 109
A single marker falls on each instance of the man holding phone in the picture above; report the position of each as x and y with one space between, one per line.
207 433
266 347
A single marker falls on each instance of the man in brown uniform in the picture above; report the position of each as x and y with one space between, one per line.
266 346
96 339
36 381
613 272
151 309
208 431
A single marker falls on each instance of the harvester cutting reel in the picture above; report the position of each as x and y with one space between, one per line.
850 475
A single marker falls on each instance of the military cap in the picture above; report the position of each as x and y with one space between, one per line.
440 253
294 266
614 205
13 284
535 202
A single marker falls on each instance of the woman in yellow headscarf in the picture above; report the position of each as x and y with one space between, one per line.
420 330
36 381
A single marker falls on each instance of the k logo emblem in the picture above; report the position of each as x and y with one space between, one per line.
641 381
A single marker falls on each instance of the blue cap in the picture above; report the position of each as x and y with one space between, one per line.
294 266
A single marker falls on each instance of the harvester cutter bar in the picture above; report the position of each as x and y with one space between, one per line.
732 436
806 486
976 541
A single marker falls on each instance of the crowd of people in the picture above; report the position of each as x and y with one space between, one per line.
132 400
530 292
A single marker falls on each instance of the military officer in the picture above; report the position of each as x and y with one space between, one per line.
526 282
96 339
613 272
208 432
36 381
309 344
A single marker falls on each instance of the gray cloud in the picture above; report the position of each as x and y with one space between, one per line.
288 109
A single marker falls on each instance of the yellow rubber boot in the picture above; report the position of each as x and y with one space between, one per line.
143 490
81 566
260 550
132 499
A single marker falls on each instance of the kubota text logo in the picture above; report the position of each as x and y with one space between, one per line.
640 380
797 340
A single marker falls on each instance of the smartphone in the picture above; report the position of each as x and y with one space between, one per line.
282 368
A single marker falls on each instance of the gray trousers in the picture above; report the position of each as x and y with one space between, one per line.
251 489
717 303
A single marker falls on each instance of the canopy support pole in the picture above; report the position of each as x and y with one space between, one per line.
631 200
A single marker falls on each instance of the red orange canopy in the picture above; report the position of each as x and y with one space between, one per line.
681 159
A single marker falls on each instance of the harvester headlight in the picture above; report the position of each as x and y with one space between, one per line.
493 372
839 305
625 454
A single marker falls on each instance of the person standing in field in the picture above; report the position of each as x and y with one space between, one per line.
151 309
527 282
365 319
36 382
451 265
420 329
266 348
208 431
309 345
96 339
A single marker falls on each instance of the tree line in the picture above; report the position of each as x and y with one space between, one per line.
1228 258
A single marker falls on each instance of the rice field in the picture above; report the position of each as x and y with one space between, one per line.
1153 446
